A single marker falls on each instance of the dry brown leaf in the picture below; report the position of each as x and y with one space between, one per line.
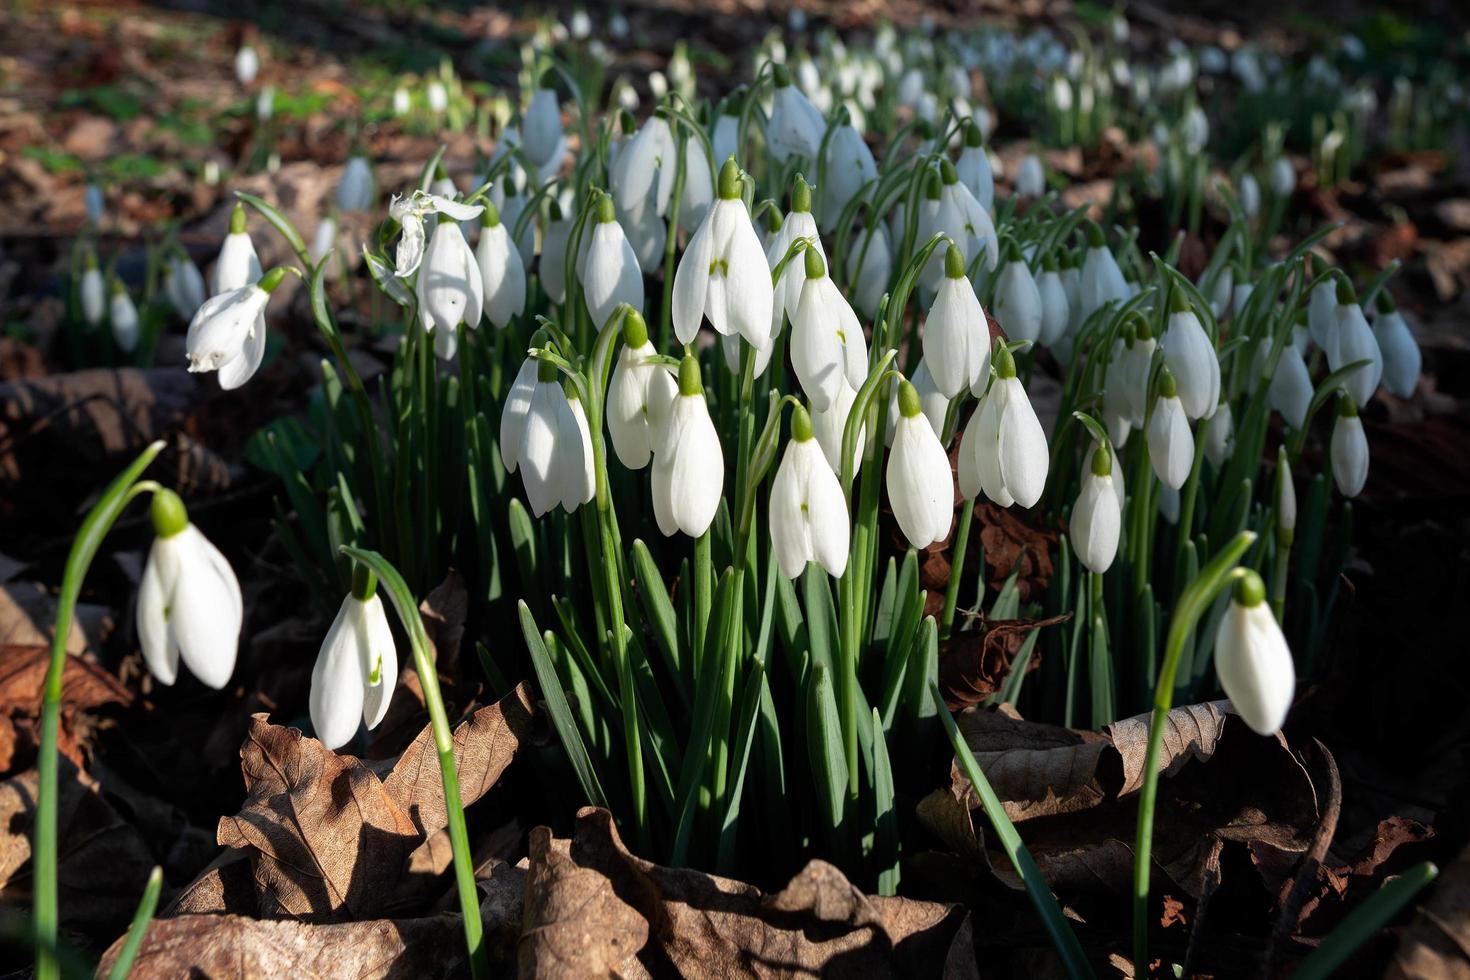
973 664
444 611
85 687
1436 945
592 908
328 839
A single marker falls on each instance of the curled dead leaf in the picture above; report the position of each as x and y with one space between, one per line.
973 664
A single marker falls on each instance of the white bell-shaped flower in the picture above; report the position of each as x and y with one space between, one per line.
1322 312
1250 195
1283 177
122 316
410 213
183 285
646 167
502 274
1352 340
638 397
356 188
92 292
831 425
1349 449
1117 410
189 603
238 264
450 288
688 465
956 333
726 136
541 131
956 214
1056 310
1252 659
1220 436
973 167
247 64
1097 516
809 519
796 127
827 342
869 281
356 669
1137 368
228 333
609 270
933 402
544 436
1189 354
1290 392
323 241
552 266
1102 281
798 224
1017 298
1170 442
723 273
920 485
699 188
1004 447
1402 360
850 165
1030 178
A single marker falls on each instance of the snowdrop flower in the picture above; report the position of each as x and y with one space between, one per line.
451 290
94 202
555 239
645 167
609 269
1221 291
1283 177
973 167
410 213
402 101
1170 443
1196 129
247 64
1322 312
639 396
238 264
183 285
1097 516
265 103
959 217
920 487
356 668
809 519
1252 659
189 603
932 401
1290 392
1401 357
796 127
1030 178
850 165
356 187
227 334
541 131
123 317
870 281
92 292
688 465
956 334
798 224
1056 311
1349 448
544 435
1352 340
1189 354
827 342
1220 435
1250 195
1017 298
726 135
1117 408
830 426
1285 492
723 273
1003 452
437 97
324 239
1102 281
502 273
1137 366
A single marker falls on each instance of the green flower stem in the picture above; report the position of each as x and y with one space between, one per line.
956 568
123 965
1364 921
1279 581
459 841
1193 603
1191 492
1104 701
1062 936
94 528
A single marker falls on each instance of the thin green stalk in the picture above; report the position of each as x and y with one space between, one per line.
123 965
459 841
1278 585
1062 936
956 568
1104 703
94 528
1191 492
1195 600
1364 921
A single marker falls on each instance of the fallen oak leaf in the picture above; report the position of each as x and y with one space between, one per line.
85 688
973 664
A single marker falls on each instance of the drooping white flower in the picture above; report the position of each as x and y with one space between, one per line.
850 165
502 273
638 397
122 315
726 135
544 436
798 224
688 466
437 97
324 240
956 334
227 334
1102 281
808 515
247 64
1250 195
1252 659
1402 360
541 131
956 214
973 166
94 202
1221 290
410 213
1003 453
1283 177
402 101
1220 436
1017 298
1349 449
723 273
356 188
870 282
1189 354
1352 340
356 669
796 127
183 285
92 292
1097 516
1137 367
189 603
1170 442
1322 312
238 264
1030 178
608 268
450 288
831 425
645 167
265 103
1056 312
920 487
1117 413
827 342
1290 392
555 239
